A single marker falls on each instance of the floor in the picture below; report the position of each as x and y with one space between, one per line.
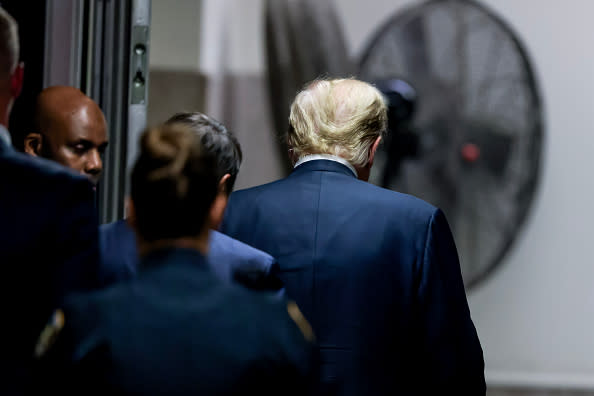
537 392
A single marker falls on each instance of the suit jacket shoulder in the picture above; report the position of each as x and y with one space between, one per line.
119 255
229 259
252 257
42 170
52 216
234 260
48 248
392 210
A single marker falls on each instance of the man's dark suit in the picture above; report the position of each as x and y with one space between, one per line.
177 329
229 259
48 248
377 275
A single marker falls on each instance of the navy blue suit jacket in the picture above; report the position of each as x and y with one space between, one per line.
177 329
377 275
48 248
229 259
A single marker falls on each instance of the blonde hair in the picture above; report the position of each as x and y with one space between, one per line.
342 117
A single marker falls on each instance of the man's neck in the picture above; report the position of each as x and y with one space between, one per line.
199 243
363 173
329 157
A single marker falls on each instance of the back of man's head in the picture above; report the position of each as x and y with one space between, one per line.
216 139
9 47
342 117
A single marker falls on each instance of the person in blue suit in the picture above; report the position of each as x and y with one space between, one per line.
176 328
48 232
376 272
230 259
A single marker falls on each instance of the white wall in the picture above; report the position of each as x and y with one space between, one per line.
231 36
175 34
535 316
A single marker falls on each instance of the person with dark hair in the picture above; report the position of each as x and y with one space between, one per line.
230 259
71 130
217 139
177 328
48 231
376 272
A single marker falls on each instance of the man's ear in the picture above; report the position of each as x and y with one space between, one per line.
217 210
292 157
373 149
16 80
223 184
364 172
33 143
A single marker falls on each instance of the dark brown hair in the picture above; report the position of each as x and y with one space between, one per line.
174 183
217 140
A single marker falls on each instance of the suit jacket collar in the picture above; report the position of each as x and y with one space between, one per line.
323 165
329 157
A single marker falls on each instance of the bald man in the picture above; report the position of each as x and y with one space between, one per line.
71 130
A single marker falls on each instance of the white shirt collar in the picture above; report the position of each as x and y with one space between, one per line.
329 157
5 135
